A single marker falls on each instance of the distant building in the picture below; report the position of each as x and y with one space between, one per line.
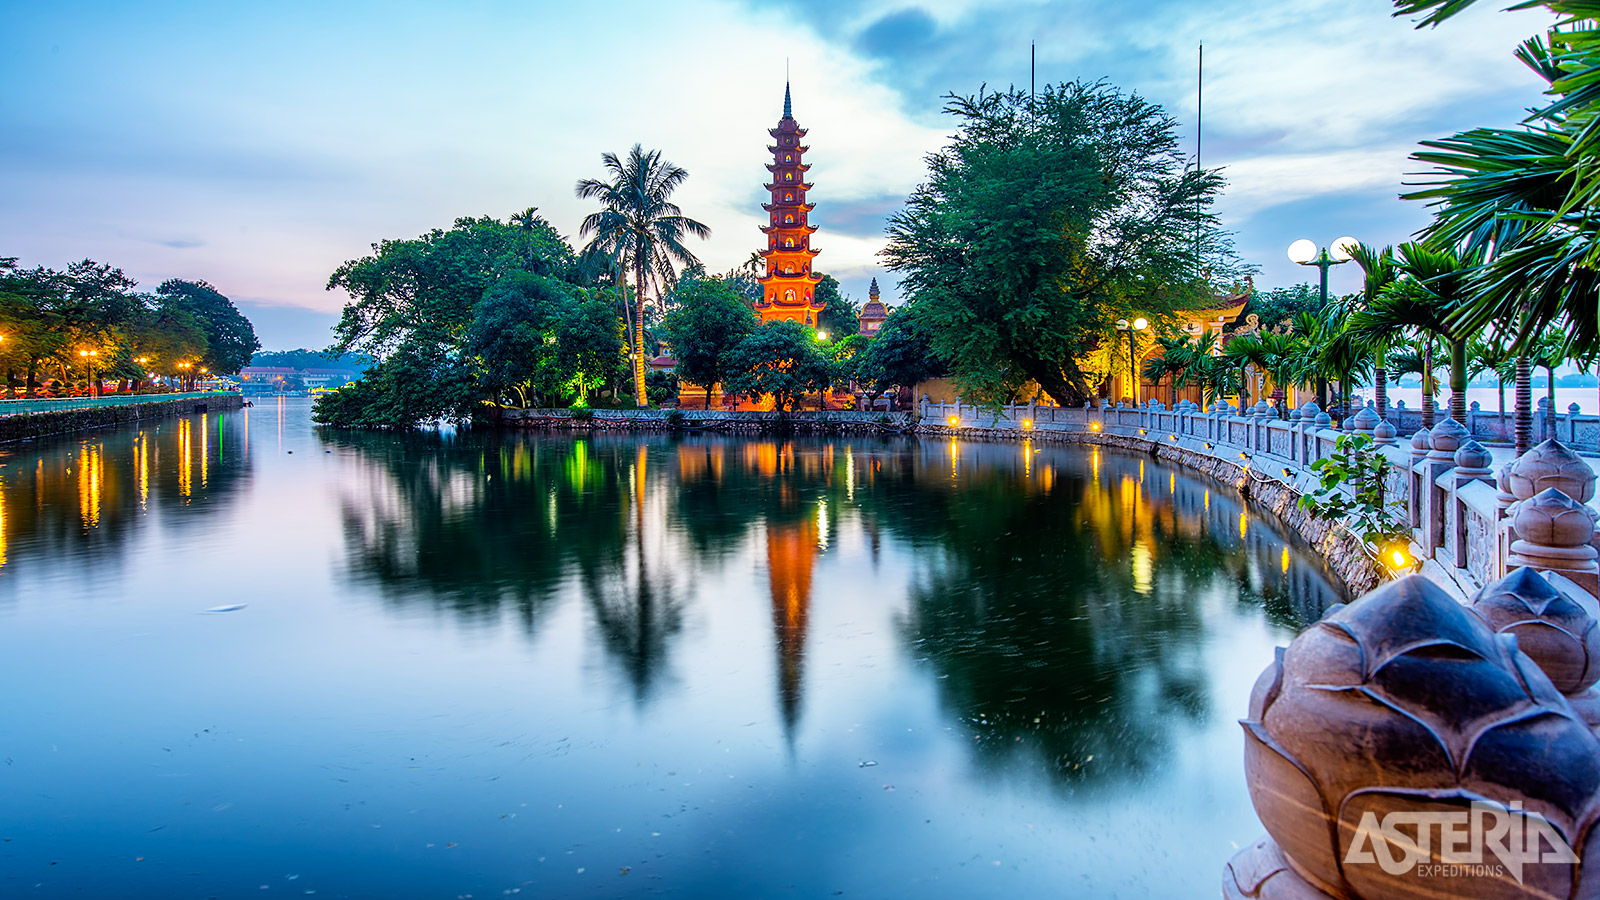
873 314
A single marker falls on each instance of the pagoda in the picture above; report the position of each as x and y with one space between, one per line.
788 290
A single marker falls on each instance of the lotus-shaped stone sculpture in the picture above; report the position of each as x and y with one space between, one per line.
1389 733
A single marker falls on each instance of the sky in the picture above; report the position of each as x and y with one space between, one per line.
259 145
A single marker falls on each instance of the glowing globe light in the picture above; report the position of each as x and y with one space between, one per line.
1342 248
1302 251
1141 324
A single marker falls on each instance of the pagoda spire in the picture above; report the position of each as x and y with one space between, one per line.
788 287
872 292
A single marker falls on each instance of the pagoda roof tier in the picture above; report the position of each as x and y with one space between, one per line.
771 148
811 277
776 251
801 166
769 207
808 229
804 186
797 131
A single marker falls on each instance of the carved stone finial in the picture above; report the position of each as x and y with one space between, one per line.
1556 628
1406 702
1473 460
1324 420
1367 419
1552 465
1446 438
1553 532
1420 443
1383 434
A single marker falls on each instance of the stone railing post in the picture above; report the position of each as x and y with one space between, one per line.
1572 424
1446 438
1472 464
1552 486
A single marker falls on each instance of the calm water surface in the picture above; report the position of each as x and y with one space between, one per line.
480 665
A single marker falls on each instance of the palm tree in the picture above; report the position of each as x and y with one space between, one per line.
526 221
1378 272
643 229
1177 355
1493 355
1548 353
1246 352
1432 286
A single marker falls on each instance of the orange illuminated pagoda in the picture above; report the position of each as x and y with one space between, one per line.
788 290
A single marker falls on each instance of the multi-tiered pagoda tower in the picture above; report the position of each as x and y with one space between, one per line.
788 290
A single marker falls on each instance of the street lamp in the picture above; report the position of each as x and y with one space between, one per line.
1138 324
1305 253
88 363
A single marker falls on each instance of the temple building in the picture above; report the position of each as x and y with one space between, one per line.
873 314
788 290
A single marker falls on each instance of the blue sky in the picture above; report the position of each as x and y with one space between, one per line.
257 146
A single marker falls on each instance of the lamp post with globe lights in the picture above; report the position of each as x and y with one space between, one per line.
1138 324
1306 253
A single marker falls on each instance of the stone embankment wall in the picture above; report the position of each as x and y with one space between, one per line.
1473 517
40 424
715 420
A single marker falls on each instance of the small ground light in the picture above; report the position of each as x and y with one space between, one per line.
1243 455
1094 426
954 420
1207 446
1027 423
1173 436
1287 473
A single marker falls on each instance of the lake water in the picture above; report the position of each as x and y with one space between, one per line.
244 658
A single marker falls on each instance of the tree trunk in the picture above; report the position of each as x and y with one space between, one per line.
1524 405
32 386
641 397
1502 380
1550 405
1458 381
1380 389
1427 384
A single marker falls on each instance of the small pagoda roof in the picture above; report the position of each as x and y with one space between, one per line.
778 251
802 185
808 229
769 207
801 166
773 148
874 309
811 277
1228 306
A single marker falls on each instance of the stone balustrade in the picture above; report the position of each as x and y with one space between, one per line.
1474 515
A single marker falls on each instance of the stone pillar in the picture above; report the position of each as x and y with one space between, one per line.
1471 464
1445 439
1531 479
1553 533
1572 424
1420 446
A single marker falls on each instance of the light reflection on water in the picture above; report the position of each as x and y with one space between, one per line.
470 664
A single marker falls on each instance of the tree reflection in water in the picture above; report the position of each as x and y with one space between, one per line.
1060 595
86 496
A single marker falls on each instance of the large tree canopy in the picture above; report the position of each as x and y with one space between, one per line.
487 312
1044 221
708 321
229 338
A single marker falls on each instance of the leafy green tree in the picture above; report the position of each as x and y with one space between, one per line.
1280 305
1044 221
899 355
422 381
711 318
1377 273
1359 467
512 333
1492 355
839 316
642 229
230 338
780 359
588 342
